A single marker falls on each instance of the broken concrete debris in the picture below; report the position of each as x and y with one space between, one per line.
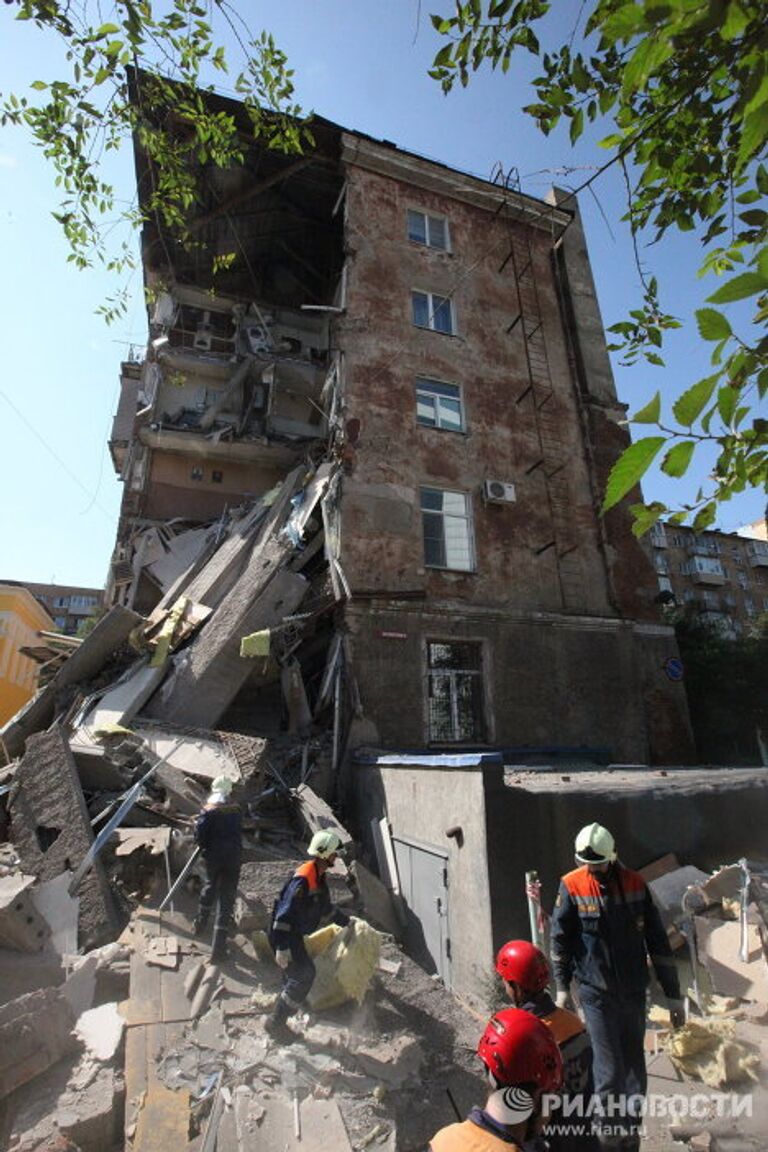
147 1034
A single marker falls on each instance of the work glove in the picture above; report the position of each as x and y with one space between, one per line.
283 958
676 1013
563 999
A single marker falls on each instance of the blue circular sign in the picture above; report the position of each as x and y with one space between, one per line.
674 668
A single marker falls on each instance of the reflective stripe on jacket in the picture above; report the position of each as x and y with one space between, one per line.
603 929
572 1040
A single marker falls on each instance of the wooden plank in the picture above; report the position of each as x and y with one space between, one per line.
316 814
163 1121
135 1071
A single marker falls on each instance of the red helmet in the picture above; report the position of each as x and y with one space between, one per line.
523 964
518 1049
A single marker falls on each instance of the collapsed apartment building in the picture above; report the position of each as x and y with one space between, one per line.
360 569
393 377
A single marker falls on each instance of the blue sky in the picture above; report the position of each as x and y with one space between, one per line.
363 65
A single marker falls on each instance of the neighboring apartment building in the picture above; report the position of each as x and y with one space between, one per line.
721 577
68 605
21 618
438 337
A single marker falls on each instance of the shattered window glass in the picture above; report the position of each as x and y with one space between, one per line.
446 520
456 713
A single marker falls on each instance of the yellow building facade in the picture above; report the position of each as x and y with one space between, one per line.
21 618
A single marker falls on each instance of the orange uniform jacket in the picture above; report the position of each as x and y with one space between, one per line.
470 1137
604 928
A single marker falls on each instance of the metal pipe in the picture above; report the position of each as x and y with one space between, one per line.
743 909
131 796
533 895
179 879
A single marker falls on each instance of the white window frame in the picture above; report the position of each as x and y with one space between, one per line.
466 518
427 242
432 308
431 381
483 719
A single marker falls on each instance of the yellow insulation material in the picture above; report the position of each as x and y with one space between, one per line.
345 960
709 1052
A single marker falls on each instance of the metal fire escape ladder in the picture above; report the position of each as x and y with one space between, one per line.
539 393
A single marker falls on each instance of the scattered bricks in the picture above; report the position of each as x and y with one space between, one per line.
52 831
395 1062
35 1032
22 928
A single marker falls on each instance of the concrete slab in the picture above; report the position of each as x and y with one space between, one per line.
196 756
120 704
22 928
109 634
35 1032
52 829
377 900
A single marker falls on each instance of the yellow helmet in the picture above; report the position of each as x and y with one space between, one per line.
324 844
595 845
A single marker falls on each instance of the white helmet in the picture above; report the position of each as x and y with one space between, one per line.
324 844
595 845
220 790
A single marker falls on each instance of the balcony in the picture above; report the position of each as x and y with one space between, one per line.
703 570
658 536
757 551
704 546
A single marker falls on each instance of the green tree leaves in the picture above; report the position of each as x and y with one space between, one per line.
684 86
90 113
630 468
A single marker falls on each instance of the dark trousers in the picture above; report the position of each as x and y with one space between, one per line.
616 1027
299 976
219 889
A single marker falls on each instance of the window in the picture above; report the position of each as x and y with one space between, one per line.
429 230
741 580
217 477
430 311
660 562
61 602
665 584
455 692
196 473
749 606
438 405
446 517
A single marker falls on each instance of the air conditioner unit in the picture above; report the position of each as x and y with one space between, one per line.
497 492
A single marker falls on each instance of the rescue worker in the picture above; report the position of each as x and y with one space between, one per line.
523 1064
604 927
525 972
217 832
304 902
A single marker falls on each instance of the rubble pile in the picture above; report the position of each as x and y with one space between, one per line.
116 1029
717 923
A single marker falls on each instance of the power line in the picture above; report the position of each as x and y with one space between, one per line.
52 451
